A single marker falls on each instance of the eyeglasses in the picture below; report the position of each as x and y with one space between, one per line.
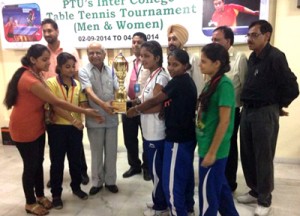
253 35
95 53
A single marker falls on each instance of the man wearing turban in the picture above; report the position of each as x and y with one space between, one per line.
177 38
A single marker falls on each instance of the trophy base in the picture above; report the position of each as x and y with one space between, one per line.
120 106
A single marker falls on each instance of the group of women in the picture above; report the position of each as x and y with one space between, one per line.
27 93
168 121
173 121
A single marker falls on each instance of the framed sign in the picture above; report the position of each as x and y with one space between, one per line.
112 23
22 22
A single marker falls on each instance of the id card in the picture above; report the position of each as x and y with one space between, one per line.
136 88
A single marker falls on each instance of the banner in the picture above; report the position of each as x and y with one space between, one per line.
113 22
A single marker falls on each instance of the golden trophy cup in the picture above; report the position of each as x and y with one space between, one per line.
120 67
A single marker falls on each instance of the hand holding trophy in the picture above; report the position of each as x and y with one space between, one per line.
120 67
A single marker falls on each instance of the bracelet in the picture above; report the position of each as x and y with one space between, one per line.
135 108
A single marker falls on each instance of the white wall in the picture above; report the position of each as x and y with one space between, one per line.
286 37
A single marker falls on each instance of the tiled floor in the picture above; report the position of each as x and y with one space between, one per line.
134 192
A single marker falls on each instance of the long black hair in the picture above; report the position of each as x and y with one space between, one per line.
11 94
214 52
182 56
61 59
155 48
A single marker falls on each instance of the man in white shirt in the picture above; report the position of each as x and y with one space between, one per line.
134 83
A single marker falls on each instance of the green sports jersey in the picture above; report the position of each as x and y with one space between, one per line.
223 96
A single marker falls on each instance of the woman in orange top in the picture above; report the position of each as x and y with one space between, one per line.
26 94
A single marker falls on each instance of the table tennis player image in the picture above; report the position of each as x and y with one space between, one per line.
22 22
237 14
9 27
30 18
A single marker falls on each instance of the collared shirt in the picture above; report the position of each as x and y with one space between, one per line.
73 95
237 73
152 126
104 84
196 74
268 75
143 74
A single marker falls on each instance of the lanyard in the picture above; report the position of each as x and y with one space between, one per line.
137 72
63 92
157 71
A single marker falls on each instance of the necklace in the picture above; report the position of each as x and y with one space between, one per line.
38 76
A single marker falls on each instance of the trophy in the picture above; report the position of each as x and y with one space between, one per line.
120 67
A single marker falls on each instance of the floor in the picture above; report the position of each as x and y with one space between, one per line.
134 192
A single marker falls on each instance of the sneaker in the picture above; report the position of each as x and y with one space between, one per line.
57 203
246 198
152 212
81 194
262 211
149 205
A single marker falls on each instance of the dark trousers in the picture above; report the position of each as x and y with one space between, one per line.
130 131
32 154
232 161
84 167
155 156
83 162
258 133
178 176
64 140
214 192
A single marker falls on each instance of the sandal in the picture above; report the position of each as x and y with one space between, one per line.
45 202
36 209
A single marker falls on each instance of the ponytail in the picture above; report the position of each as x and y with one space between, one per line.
12 89
214 52
11 95
207 93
